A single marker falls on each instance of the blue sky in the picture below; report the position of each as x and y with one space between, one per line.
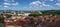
30 4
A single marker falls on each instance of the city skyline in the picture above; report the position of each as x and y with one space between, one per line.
29 4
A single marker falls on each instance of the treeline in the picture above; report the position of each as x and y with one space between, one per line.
53 12
47 12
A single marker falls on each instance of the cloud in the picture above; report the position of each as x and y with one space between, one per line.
10 2
6 0
58 0
45 5
38 3
5 6
15 3
0 5
58 4
35 3
47 0
51 0
7 3
13 0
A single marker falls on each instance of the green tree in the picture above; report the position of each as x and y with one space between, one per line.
53 12
35 14
8 16
1 20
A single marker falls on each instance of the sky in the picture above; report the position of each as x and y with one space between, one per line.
29 4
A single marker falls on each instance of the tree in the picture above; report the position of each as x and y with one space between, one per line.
1 20
8 16
53 12
35 14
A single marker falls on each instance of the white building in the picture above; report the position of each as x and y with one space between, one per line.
24 14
